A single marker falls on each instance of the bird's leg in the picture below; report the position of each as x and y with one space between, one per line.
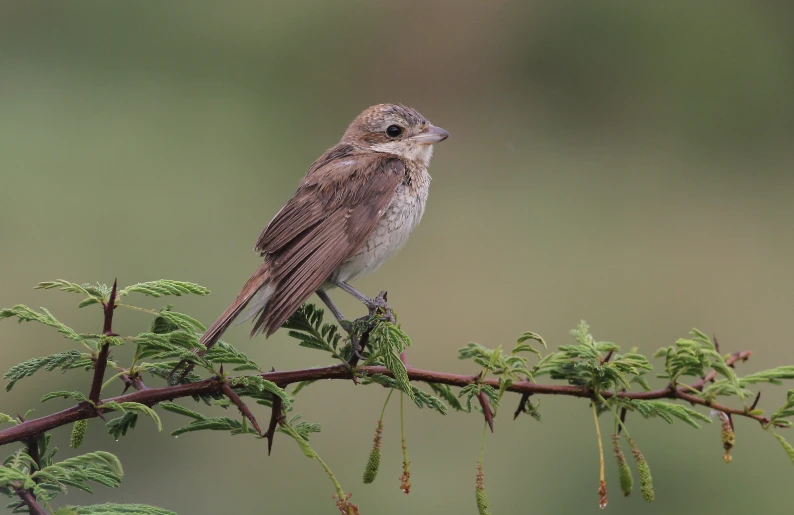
335 310
373 305
344 323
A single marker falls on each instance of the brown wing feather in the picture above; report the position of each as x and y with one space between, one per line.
325 223
303 210
216 330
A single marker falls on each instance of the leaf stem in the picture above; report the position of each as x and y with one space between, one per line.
383 411
405 479
601 476
136 308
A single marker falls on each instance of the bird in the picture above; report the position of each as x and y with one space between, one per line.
354 208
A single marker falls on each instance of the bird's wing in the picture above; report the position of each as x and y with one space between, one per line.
327 221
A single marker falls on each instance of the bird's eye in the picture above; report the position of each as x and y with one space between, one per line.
393 131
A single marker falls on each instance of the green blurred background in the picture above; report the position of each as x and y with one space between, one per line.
625 163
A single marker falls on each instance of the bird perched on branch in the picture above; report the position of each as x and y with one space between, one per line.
356 206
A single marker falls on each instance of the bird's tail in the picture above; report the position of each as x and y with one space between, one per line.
257 291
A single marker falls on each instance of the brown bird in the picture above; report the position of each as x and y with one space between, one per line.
355 207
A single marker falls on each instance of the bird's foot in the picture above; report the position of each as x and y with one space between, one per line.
379 307
357 348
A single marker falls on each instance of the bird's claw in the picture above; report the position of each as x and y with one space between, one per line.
379 306
357 353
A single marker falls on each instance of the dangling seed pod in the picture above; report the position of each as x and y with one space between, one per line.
345 506
373 464
644 471
483 507
624 471
728 436
405 478
78 433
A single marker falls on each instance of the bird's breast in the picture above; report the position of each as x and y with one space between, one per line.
400 218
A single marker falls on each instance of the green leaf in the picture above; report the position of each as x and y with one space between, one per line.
223 352
177 345
165 287
182 321
25 314
394 364
63 360
214 424
135 407
303 429
78 396
9 475
445 392
99 467
306 325
181 410
88 302
62 285
164 369
787 446
785 411
20 460
773 376
300 386
389 341
667 411
300 440
94 294
529 335
420 397
119 426
257 384
7 418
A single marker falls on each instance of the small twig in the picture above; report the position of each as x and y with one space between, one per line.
29 500
227 390
134 381
755 401
107 330
522 405
486 409
623 412
101 362
32 445
608 356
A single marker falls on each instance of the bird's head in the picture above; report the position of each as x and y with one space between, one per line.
395 129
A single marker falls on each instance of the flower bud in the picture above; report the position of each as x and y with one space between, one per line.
644 471
373 464
624 471
78 433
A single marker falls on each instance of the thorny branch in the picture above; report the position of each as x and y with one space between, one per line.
210 386
276 417
101 362
29 500
246 412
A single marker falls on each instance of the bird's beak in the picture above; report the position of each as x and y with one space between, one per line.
431 135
